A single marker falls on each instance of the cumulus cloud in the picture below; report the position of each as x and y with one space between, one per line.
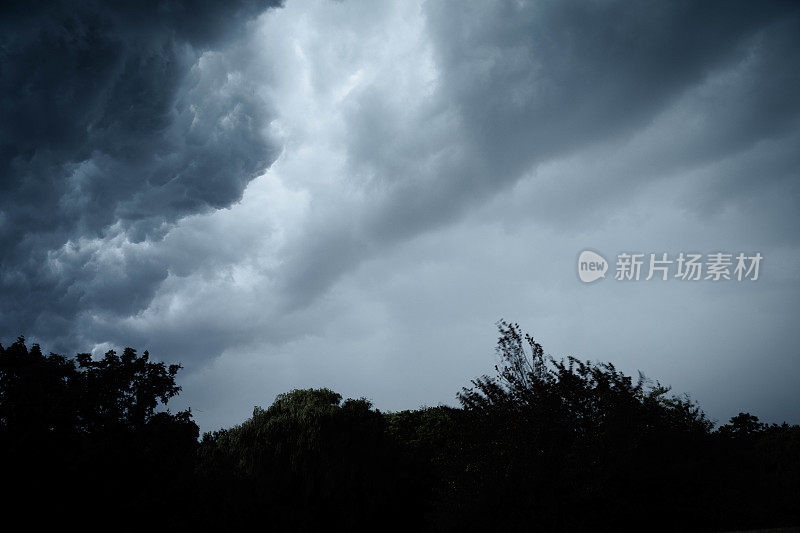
118 119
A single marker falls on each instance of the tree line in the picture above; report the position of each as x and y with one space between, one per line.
541 445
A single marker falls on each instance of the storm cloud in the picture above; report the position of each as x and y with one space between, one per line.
118 118
350 194
518 85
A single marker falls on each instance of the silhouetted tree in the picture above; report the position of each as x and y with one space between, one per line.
308 461
74 431
577 444
543 445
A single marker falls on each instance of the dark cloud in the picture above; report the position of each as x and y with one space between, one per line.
520 84
532 81
121 117
442 162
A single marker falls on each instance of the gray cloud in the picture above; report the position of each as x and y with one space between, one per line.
116 118
441 165
520 84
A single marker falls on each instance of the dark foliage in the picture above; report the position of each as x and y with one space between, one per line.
308 461
82 440
544 445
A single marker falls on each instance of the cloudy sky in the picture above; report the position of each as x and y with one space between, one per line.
351 193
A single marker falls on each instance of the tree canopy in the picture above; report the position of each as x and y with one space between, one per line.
543 444
79 430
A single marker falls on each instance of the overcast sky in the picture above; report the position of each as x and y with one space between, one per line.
350 194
